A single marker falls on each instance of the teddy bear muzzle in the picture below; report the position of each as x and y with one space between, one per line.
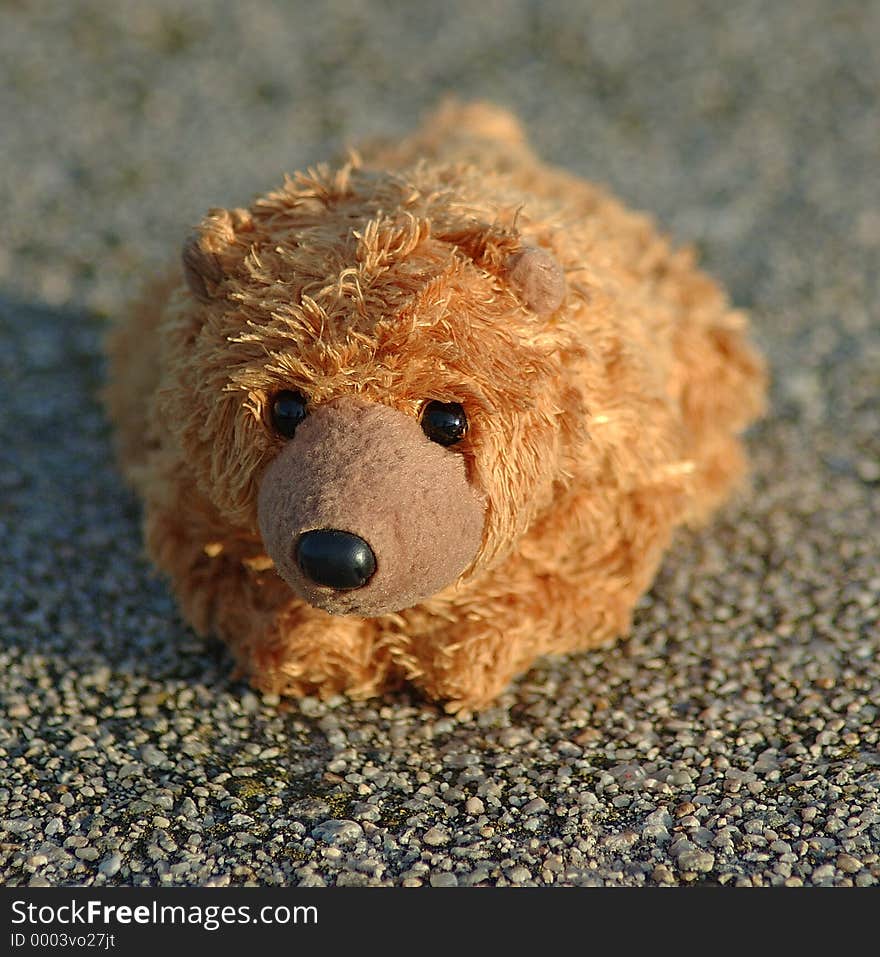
363 514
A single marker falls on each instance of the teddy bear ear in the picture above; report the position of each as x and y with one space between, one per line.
206 255
201 268
538 278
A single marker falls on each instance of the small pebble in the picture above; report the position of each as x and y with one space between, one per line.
443 879
110 865
436 836
474 806
338 832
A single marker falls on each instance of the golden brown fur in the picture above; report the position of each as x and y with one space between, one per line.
595 428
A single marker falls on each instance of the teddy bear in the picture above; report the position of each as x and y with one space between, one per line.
426 414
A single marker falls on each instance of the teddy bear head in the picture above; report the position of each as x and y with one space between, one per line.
367 369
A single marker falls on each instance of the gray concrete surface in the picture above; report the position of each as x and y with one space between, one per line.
732 739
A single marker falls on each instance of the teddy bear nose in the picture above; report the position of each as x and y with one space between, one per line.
336 559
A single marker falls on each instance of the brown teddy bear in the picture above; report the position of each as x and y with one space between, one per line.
426 415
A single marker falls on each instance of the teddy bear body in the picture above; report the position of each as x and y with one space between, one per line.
426 415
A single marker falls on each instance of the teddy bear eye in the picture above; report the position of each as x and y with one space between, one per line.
444 422
288 410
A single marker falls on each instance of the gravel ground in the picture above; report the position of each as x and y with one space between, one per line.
732 739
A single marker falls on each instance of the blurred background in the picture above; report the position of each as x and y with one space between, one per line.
124 121
731 739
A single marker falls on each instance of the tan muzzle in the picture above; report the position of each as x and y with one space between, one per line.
363 514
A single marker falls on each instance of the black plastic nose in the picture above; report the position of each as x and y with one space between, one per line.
336 559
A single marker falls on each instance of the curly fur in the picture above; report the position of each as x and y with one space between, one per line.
597 423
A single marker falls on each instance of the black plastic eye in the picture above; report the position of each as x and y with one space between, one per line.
288 410
444 422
